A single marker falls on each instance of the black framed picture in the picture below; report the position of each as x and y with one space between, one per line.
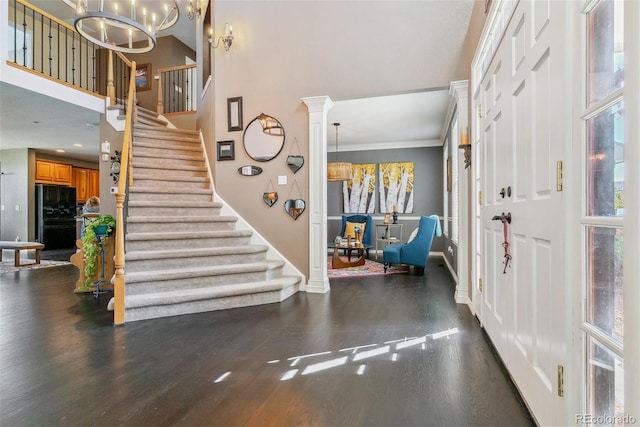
234 113
226 150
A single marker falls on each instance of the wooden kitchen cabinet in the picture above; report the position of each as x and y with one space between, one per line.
93 183
80 180
48 172
87 183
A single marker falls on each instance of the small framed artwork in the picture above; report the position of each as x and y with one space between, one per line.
387 218
226 150
143 77
234 113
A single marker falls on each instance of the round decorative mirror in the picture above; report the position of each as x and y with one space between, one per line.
263 138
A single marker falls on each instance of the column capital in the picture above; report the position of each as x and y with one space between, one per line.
318 103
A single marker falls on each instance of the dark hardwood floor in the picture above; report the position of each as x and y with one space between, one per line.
63 363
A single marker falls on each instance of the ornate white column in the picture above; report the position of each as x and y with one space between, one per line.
318 107
459 91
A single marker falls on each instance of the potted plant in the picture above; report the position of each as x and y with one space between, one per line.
104 225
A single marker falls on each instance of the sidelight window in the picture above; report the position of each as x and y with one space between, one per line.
603 214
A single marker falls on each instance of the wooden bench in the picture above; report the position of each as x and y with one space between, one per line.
21 246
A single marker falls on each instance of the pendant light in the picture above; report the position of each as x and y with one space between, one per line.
338 171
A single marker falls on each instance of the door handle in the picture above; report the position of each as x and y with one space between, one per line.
503 217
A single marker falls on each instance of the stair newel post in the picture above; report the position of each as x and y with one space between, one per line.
111 90
118 286
160 107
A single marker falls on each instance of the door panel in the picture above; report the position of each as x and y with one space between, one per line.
523 305
523 325
541 100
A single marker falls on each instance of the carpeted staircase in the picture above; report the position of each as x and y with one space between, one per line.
182 255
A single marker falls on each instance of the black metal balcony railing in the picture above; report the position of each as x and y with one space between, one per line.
176 89
43 44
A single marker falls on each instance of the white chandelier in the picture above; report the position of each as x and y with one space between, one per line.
119 25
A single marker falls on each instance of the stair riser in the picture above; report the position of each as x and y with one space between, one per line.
150 227
149 117
168 131
169 163
155 245
194 282
160 138
171 211
201 306
168 145
177 196
172 184
170 170
194 261
166 174
159 153
151 122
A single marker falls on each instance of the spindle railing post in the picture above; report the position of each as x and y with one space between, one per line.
118 286
160 107
111 90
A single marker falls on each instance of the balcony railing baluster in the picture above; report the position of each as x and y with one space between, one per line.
71 59
176 89
50 49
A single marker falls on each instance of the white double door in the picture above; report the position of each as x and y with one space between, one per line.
522 133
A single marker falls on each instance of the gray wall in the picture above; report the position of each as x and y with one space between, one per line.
427 196
16 190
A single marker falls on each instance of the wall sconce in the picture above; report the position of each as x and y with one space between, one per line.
194 10
227 39
466 146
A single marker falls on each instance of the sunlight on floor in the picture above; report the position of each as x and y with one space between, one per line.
373 350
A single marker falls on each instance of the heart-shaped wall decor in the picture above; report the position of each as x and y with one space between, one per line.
295 163
270 198
295 207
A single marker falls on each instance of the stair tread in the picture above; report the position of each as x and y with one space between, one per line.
184 235
177 176
184 253
179 296
155 177
146 111
163 154
204 271
173 204
170 190
180 219
159 137
191 146
167 130
169 166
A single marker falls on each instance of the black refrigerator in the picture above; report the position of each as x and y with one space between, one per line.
55 216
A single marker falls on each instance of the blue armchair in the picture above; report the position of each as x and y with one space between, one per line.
368 229
415 252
